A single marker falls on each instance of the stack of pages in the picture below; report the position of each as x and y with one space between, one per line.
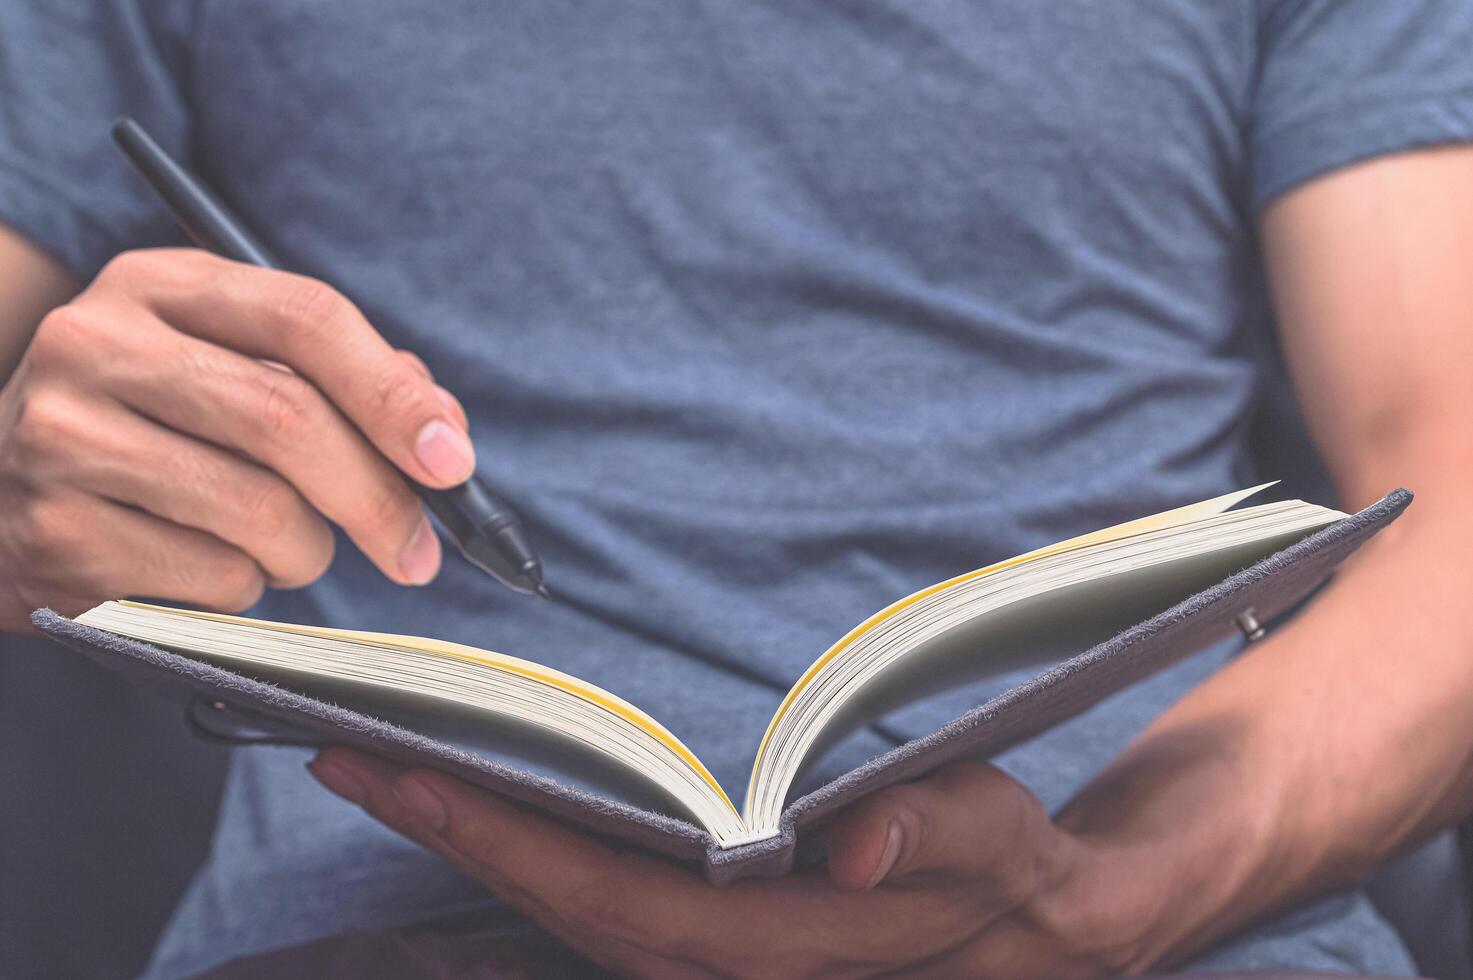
1160 587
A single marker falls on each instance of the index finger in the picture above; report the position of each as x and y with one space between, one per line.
313 329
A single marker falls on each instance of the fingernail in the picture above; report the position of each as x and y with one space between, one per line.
338 780
423 803
445 451
887 859
420 559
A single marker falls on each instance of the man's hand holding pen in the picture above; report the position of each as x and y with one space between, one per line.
484 527
148 448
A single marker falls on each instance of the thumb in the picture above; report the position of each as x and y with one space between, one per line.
966 820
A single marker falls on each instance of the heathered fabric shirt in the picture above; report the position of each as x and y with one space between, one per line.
766 314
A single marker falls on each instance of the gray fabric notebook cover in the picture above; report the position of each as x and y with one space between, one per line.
1269 588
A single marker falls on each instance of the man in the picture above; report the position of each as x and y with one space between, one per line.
765 314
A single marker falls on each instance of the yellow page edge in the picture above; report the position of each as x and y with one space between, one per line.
488 658
1141 525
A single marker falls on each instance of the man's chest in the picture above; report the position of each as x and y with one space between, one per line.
939 132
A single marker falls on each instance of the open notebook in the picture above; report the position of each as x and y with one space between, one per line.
1208 566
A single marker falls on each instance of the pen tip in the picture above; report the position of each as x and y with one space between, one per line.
542 591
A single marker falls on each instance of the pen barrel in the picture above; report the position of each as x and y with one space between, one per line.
202 215
469 509
487 529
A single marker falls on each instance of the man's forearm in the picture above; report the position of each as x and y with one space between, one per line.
1343 737
1334 743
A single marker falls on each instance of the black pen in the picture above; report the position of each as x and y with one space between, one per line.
484 527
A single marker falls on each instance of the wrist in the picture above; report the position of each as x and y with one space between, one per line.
1181 841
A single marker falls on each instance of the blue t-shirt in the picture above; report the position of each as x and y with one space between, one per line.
765 314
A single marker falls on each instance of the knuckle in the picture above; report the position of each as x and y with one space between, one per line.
48 424
276 515
310 308
416 362
130 266
400 393
388 510
270 509
143 265
287 408
68 332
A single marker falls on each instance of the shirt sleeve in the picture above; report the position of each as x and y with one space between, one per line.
68 68
1341 81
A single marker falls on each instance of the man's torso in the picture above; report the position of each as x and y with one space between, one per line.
764 314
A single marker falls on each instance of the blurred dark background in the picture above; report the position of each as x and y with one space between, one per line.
106 806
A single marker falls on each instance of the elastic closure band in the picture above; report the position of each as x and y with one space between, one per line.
224 723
